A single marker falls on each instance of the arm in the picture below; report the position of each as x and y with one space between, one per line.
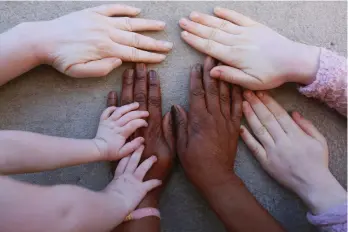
30 152
330 84
62 208
94 45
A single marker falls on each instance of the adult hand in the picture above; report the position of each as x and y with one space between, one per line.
91 43
292 151
255 56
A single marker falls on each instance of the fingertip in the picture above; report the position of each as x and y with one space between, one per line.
194 15
216 73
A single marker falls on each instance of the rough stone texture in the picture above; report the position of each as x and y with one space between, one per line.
46 101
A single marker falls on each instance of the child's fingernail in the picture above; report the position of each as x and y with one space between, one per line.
241 129
260 94
194 15
183 22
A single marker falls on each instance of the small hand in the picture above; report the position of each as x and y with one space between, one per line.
115 127
293 151
255 56
128 186
91 43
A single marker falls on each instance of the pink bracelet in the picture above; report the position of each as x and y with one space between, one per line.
143 212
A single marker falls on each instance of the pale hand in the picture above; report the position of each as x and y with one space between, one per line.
116 125
255 56
292 151
91 43
128 186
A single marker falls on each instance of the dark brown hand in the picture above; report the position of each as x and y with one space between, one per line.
206 140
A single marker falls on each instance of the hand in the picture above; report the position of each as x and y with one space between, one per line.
91 43
143 87
207 137
116 125
256 57
293 151
128 186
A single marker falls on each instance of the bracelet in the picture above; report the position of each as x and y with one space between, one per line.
143 212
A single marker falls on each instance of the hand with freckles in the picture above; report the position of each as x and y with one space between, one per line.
144 87
206 143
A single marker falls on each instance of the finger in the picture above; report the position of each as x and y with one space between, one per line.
136 24
154 100
134 160
236 107
131 146
254 146
180 121
140 88
127 87
214 22
132 126
211 88
308 127
233 17
151 184
121 166
279 113
236 76
225 99
120 111
107 112
136 40
259 130
210 33
130 116
94 68
209 47
112 99
144 167
265 116
167 125
132 54
116 9
197 93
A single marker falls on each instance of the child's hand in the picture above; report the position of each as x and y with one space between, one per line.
128 186
116 125
256 57
293 151
91 42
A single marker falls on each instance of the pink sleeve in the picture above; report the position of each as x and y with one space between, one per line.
330 85
334 220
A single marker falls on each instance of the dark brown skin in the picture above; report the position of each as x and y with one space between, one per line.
206 144
143 87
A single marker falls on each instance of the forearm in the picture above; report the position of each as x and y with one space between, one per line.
235 206
62 208
18 51
23 152
146 224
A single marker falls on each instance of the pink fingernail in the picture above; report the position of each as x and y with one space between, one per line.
194 15
183 22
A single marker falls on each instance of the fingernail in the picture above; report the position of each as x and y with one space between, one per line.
130 72
218 8
112 95
198 68
141 66
154 158
298 115
241 130
137 10
184 33
194 15
183 22
215 73
260 94
161 24
167 44
152 77
247 93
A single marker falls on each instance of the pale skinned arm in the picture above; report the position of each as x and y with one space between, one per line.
23 152
92 46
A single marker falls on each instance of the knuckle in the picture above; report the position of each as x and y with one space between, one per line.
223 25
155 101
128 24
134 55
140 97
136 40
224 98
261 131
213 33
213 89
208 45
198 92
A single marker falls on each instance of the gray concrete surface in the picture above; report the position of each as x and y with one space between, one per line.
46 101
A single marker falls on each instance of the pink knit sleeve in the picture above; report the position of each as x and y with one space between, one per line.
330 85
334 220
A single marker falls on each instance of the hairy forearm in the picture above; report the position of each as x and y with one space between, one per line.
18 50
23 152
62 208
146 224
235 205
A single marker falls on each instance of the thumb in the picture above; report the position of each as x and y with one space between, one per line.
179 117
95 68
235 76
308 127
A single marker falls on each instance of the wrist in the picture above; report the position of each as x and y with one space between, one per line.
324 194
100 148
304 64
150 200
